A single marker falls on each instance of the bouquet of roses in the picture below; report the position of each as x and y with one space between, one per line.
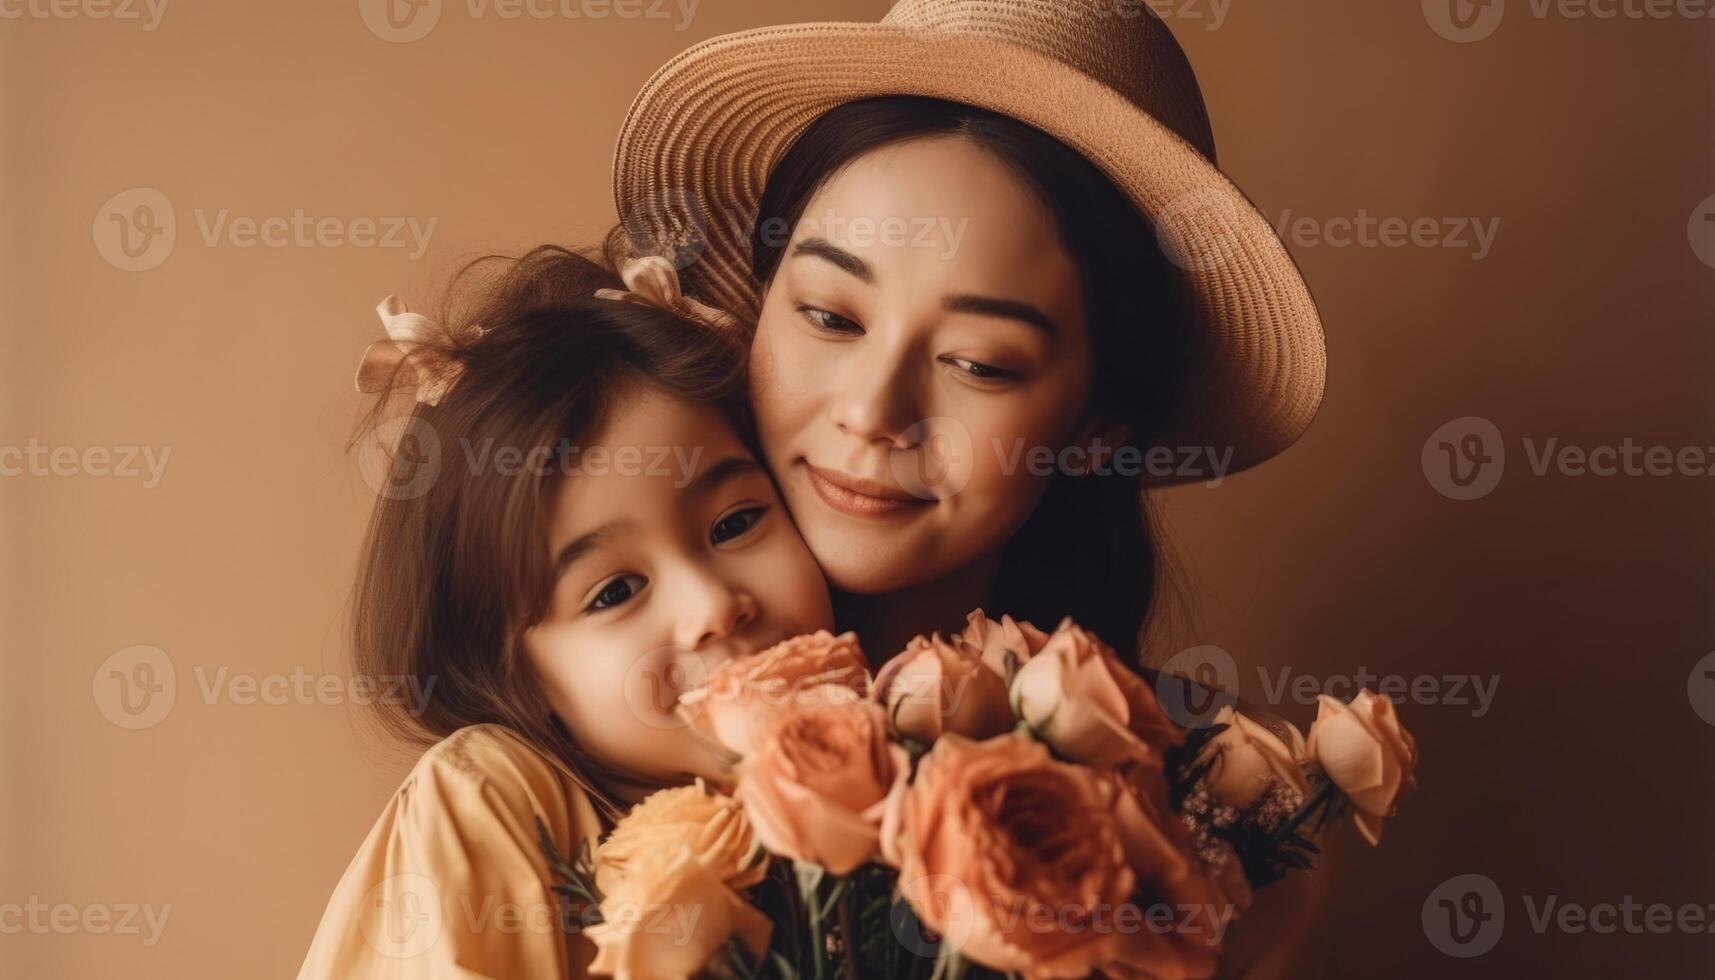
998 802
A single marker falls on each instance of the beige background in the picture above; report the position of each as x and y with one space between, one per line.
1588 321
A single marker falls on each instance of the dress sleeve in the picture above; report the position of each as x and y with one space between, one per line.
452 881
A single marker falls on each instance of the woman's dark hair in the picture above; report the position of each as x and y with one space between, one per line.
453 573
1089 550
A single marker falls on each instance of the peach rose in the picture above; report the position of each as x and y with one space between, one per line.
1078 697
712 824
745 695
816 787
669 916
1029 864
992 641
934 686
1367 754
1247 760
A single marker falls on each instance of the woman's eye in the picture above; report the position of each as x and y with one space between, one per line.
735 524
620 590
829 322
979 370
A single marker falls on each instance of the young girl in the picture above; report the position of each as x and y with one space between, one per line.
577 530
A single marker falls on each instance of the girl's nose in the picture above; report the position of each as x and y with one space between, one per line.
713 611
875 399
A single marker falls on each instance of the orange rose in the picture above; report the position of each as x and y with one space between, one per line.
992 641
669 916
1367 754
934 686
816 787
714 825
745 695
1022 862
1078 697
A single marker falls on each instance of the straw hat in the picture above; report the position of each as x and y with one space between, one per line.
1103 76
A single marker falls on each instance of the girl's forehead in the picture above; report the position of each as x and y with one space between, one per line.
653 461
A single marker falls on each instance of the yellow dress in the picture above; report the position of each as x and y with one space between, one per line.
452 881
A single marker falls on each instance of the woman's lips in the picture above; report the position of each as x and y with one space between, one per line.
859 497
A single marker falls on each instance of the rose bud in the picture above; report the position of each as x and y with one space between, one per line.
934 686
992 641
1367 754
1078 697
1247 760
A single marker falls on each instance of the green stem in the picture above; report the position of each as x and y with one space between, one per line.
848 936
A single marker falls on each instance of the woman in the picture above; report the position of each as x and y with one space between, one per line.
979 234
1047 169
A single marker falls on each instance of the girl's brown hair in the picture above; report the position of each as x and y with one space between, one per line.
453 573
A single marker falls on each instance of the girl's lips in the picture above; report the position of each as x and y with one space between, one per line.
858 497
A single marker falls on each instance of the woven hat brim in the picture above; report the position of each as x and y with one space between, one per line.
702 136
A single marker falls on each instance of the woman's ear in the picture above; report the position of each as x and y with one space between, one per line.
1100 440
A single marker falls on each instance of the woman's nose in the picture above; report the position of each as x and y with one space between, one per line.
875 399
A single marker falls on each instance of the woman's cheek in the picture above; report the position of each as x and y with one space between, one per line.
784 576
772 390
1010 448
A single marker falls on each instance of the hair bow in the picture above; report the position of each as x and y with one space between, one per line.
404 351
652 280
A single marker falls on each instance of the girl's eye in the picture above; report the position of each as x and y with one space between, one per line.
735 524
830 322
979 370
617 591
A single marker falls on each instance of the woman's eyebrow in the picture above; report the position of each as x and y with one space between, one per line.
1010 309
827 251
